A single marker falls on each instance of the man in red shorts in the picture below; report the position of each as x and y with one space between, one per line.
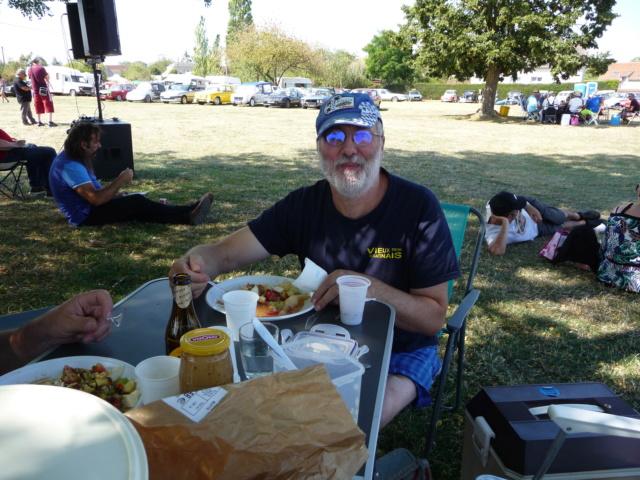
42 98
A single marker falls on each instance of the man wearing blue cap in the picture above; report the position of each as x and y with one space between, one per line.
361 220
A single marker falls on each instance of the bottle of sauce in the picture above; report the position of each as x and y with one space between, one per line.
183 317
206 361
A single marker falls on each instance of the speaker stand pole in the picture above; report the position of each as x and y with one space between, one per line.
94 61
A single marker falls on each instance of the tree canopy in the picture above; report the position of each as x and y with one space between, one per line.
388 62
266 53
240 17
492 39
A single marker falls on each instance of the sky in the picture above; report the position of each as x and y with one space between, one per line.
151 29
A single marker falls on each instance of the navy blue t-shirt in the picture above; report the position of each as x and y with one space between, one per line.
405 241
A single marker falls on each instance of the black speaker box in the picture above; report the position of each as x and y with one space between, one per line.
75 31
116 153
99 26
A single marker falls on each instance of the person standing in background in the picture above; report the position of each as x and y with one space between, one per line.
3 94
23 95
42 99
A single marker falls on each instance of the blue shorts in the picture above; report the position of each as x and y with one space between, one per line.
422 367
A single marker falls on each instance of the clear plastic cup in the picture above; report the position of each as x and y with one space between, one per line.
157 378
254 350
240 308
353 293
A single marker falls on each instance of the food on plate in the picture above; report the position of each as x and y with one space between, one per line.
121 392
276 301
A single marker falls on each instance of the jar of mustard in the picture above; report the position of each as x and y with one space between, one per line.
205 360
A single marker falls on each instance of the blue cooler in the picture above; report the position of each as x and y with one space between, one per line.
615 119
508 434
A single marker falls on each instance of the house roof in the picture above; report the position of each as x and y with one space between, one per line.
616 71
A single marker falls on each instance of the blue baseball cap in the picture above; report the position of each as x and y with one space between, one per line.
347 109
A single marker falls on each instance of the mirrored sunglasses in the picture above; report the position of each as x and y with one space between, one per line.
361 138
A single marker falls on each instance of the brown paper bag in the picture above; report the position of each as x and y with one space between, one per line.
291 425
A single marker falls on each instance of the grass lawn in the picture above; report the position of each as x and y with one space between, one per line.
534 323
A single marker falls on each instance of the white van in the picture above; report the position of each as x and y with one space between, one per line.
298 82
185 79
223 80
68 81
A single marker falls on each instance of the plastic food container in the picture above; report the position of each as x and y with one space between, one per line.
345 345
344 370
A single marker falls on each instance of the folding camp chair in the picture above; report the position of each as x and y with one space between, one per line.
632 117
457 217
10 182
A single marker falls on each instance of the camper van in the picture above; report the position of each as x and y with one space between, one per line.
185 79
299 82
223 80
68 81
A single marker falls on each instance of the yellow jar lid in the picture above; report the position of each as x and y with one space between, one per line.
205 341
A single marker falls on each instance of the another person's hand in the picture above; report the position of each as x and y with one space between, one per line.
82 318
194 265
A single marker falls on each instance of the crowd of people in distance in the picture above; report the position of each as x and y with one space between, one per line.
546 108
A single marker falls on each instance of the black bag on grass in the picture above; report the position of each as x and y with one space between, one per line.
581 246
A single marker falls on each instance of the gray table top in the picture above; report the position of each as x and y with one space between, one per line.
141 336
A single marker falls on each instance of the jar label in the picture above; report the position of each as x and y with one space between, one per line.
182 295
202 338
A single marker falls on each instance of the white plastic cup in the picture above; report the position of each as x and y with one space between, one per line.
353 293
157 378
255 351
240 308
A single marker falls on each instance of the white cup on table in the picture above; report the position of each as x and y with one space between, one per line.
353 294
240 308
157 378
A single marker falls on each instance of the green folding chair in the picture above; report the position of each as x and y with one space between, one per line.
455 329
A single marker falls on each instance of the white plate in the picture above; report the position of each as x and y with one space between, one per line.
214 295
61 433
53 369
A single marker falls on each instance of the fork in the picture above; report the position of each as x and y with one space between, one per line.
117 319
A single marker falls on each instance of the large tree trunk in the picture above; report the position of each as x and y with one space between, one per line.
491 86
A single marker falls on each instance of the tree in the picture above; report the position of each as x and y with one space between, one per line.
389 63
39 8
337 69
239 17
136 71
266 53
201 54
491 39
636 59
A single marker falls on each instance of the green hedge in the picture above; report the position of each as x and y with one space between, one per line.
433 91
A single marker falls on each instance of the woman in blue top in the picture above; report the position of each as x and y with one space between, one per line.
84 201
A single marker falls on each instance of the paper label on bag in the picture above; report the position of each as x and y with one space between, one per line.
196 405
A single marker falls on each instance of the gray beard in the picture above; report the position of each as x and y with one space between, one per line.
349 184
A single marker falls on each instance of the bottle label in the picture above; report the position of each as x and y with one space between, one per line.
182 295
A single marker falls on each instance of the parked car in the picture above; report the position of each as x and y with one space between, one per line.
563 96
619 99
389 96
513 97
449 96
414 96
179 93
371 92
252 93
116 91
468 96
316 99
285 97
215 94
146 92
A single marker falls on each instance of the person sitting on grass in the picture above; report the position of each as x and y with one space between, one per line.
84 201
83 318
514 219
620 252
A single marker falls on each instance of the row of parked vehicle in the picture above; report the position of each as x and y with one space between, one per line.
251 93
